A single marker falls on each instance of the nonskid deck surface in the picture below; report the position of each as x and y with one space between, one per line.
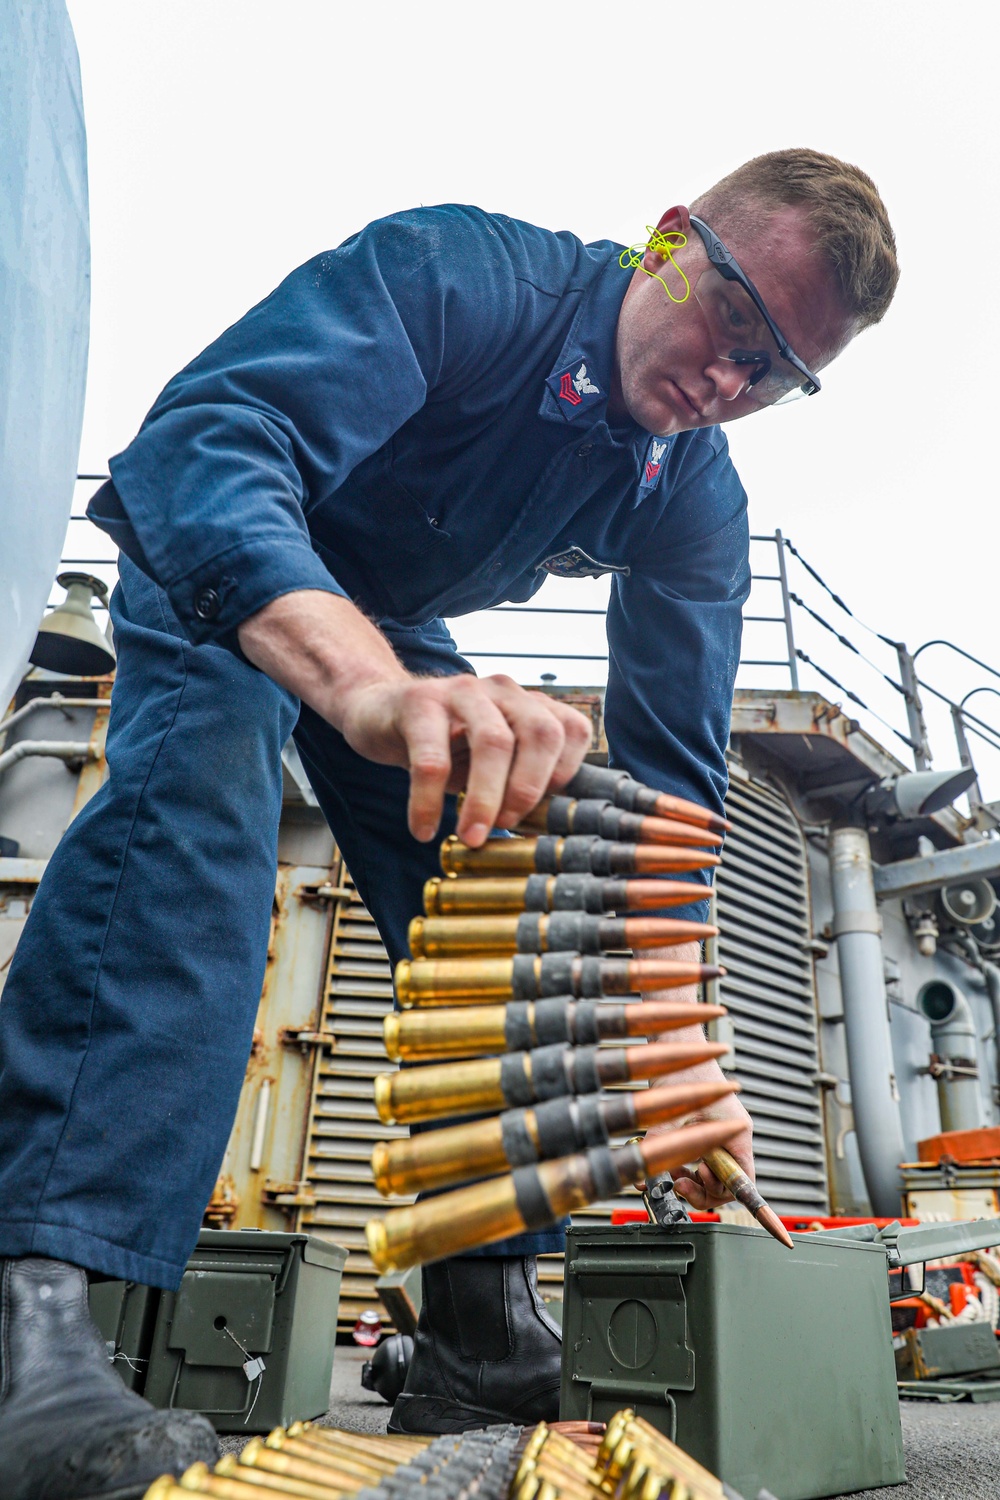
952 1452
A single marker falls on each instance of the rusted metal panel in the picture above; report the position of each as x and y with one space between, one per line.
260 1186
18 883
588 701
94 772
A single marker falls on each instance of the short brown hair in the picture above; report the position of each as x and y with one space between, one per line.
843 207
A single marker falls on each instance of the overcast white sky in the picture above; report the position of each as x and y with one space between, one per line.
231 139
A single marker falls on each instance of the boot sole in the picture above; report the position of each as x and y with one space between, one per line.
423 1416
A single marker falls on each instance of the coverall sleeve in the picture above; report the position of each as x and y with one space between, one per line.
674 629
212 498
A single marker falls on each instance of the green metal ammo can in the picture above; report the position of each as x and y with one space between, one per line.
772 1368
247 1339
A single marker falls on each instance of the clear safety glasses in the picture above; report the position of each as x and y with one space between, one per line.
742 330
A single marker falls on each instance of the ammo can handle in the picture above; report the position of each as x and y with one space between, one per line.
908 1247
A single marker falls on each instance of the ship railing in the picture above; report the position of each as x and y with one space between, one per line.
799 632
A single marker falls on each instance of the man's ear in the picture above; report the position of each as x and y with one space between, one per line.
676 220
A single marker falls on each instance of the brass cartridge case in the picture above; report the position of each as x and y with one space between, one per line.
435 1092
230 1484
393 1451
262 1485
491 1214
396 1447
451 937
646 1471
258 1455
470 1031
428 1161
729 1172
549 854
478 1084
482 1148
166 1488
423 982
630 1439
553 1444
526 976
531 1197
567 1481
424 1034
207 1483
595 815
624 791
538 1435
542 932
350 1461
534 1487
453 896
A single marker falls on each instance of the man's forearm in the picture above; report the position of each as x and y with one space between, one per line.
320 647
487 736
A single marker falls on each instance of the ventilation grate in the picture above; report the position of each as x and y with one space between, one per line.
343 1125
763 914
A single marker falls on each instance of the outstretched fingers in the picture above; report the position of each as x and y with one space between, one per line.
552 740
492 744
426 730
512 745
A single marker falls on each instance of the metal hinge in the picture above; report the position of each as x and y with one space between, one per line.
304 1038
325 891
287 1194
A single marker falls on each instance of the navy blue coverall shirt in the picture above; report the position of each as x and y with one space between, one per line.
416 421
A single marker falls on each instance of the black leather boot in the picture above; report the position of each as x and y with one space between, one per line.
485 1350
69 1430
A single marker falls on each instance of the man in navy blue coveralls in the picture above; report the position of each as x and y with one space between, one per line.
426 421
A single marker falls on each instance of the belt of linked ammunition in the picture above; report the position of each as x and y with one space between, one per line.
496 1463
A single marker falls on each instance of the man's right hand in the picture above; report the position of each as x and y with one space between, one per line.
503 746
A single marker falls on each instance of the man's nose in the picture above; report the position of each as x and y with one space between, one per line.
730 379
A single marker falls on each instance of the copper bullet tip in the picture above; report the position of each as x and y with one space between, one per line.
650 973
768 1219
645 1017
673 831
651 932
659 1058
655 1105
640 894
661 859
690 812
667 1151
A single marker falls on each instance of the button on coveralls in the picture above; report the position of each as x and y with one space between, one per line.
416 421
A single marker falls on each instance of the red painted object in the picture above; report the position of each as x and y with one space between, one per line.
794 1223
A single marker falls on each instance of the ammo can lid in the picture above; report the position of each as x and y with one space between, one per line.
314 1250
631 1234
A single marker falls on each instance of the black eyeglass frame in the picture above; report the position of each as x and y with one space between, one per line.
725 262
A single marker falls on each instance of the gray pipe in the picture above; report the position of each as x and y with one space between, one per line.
54 700
992 976
953 1032
59 749
991 980
858 930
